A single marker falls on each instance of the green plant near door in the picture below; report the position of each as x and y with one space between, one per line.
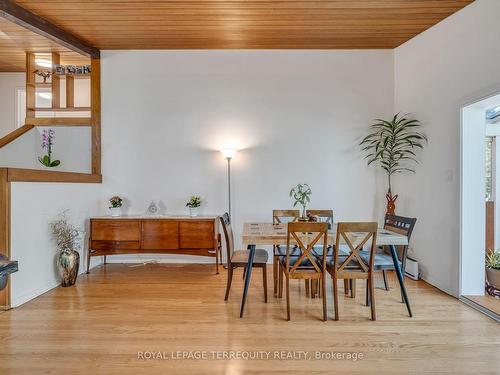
392 144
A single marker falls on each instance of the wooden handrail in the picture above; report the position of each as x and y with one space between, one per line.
41 175
58 121
12 136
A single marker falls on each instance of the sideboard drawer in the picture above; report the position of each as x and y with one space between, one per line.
115 245
116 230
196 234
160 234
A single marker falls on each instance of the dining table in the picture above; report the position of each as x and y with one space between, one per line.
269 234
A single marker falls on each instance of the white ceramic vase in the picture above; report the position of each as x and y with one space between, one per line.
193 211
115 211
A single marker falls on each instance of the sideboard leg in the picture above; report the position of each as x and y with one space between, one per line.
104 256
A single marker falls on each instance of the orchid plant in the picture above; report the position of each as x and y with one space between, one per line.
48 136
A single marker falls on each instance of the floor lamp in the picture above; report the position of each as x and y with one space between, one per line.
228 154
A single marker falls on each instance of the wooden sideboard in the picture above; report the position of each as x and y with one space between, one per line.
154 235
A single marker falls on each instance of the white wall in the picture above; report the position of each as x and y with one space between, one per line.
34 206
437 72
72 144
8 84
295 115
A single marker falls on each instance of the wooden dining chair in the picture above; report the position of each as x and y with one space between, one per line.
305 266
239 258
383 259
280 217
322 216
353 266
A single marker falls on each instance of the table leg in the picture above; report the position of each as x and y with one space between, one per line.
400 278
251 255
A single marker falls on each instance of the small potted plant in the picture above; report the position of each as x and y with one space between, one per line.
301 195
194 203
115 207
68 241
493 268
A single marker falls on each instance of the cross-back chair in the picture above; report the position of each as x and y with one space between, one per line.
305 235
239 258
322 216
383 260
353 265
281 217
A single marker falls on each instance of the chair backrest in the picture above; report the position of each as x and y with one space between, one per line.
228 236
305 235
285 216
402 225
323 215
355 236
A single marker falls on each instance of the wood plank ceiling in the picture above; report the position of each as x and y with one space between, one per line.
223 24
16 40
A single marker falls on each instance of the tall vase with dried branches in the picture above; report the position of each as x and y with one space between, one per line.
393 145
68 239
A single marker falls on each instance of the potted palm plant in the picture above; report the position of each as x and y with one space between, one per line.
493 268
393 145
301 194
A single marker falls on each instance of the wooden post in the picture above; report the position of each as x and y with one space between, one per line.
95 115
5 231
56 82
70 91
30 84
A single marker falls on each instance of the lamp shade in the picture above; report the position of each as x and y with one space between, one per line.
228 153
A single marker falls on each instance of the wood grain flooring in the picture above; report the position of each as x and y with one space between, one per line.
100 325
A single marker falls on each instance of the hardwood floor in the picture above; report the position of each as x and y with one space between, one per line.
99 326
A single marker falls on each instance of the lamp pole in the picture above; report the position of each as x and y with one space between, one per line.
229 186
228 154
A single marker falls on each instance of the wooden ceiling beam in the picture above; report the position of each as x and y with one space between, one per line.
40 26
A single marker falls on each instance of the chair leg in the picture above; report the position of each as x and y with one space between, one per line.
264 281
275 275
229 281
346 286
372 297
314 288
287 298
280 281
386 282
352 286
323 295
306 282
244 272
367 292
335 298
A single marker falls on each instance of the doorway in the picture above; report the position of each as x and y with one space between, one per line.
480 202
